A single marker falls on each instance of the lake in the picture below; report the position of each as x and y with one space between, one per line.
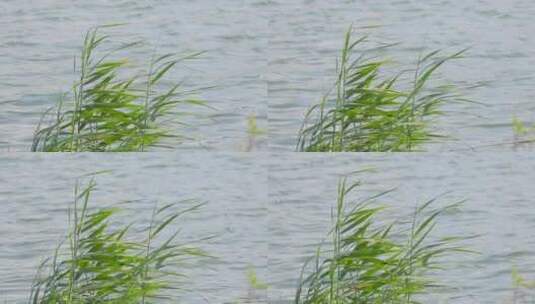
271 214
40 40
307 36
499 196
36 192
273 59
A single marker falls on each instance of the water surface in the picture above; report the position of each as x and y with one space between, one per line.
499 209
308 34
40 39
276 55
36 192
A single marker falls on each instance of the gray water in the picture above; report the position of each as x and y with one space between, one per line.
271 214
275 59
499 194
39 40
307 36
36 192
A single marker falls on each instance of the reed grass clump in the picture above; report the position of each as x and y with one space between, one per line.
110 108
101 263
372 263
367 112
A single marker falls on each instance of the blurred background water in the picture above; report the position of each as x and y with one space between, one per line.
40 39
36 192
308 34
499 209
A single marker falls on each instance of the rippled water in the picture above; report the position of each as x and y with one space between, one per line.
499 208
307 36
35 192
39 40
272 214
276 53
274 59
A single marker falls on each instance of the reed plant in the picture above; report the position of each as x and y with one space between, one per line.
368 112
101 263
111 108
372 263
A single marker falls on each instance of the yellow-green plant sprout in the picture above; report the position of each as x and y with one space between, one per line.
111 108
523 288
523 134
255 285
367 112
520 282
519 128
254 281
252 127
253 132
